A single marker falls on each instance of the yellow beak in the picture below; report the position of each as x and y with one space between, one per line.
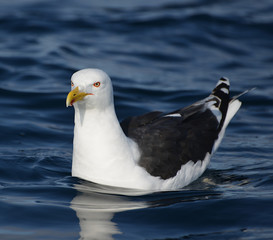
74 96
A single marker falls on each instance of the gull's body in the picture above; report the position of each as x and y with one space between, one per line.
155 151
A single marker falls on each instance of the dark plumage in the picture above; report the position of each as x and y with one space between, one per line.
168 141
155 151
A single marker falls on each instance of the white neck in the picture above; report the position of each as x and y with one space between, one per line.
101 149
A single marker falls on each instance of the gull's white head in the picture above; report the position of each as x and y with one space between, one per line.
90 88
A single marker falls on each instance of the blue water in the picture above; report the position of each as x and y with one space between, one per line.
161 55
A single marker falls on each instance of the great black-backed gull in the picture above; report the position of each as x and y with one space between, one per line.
155 151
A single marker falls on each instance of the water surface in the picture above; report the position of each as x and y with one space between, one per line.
161 55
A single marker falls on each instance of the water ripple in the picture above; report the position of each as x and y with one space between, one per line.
161 55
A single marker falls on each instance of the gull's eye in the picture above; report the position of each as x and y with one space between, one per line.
96 84
72 84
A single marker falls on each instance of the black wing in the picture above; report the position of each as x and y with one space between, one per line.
168 141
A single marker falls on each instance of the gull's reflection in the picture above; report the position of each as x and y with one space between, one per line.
95 206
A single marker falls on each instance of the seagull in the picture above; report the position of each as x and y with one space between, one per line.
155 151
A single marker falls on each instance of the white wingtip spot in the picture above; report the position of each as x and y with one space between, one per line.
215 110
173 115
223 80
225 90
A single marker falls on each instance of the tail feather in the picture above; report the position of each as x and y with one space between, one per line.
233 106
241 94
222 87
227 106
221 92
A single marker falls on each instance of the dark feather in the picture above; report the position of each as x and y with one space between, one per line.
168 142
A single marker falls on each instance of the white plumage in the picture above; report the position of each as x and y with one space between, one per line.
102 153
